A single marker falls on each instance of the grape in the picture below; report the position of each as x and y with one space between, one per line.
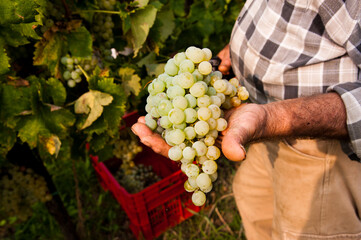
176 136
176 116
179 57
205 68
204 101
196 55
207 54
189 153
188 187
71 83
190 133
209 166
198 198
171 68
151 123
164 107
220 86
174 91
201 127
175 153
213 153
185 106
192 101
180 102
198 89
186 66
200 147
203 180
186 80
221 124
191 115
191 170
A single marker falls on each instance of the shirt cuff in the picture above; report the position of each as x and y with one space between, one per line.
350 93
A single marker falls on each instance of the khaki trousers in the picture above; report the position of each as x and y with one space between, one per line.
300 189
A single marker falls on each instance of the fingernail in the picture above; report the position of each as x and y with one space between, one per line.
244 150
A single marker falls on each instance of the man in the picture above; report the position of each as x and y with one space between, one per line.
300 61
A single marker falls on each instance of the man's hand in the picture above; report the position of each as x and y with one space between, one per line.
245 123
225 65
150 138
322 115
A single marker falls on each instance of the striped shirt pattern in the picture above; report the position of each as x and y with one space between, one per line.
282 49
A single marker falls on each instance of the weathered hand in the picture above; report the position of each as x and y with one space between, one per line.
150 138
245 124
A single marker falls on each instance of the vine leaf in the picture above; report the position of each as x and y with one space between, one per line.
130 81
141 21
4 60
80 43
48 52
92 103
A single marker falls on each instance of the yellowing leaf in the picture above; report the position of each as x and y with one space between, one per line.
92 103
130 81
52 144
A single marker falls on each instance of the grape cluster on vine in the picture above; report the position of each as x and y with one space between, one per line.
185 105
19 190
72 73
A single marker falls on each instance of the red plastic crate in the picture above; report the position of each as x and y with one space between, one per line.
157 207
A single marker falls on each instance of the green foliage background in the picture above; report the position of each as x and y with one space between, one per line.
37 106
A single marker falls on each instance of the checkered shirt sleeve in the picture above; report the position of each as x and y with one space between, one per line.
292 48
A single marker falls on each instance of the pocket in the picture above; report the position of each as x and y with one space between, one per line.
312 148
297 236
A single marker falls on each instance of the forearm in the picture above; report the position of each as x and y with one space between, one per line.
322 115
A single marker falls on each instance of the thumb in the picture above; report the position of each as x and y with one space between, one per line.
232 147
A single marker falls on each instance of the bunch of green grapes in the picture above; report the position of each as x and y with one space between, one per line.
137 178
126 150
103 27
73 73
19 190
185 105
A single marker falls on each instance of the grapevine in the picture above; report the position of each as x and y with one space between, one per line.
185 105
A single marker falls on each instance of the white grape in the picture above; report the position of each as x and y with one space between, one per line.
176 116
200 147
171 68
205 67
198 89
213 153
220 85
185 80
180 102
204 101
201 127
207 54
188 187
209 167
190 133
195 54
190 115
189 153
198 198
203 180
191 170
175 153
221 124
204 114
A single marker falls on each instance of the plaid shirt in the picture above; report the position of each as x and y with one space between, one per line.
283 49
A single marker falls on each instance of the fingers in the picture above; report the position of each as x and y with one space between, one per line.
225 65
149 138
